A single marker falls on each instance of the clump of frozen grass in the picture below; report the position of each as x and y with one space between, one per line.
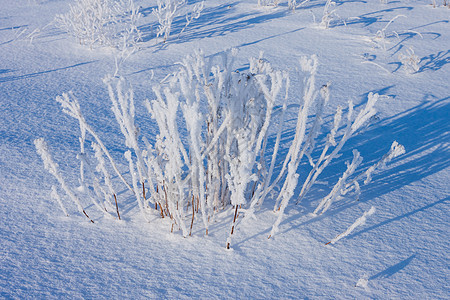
111 23
211 151
168 10
410 60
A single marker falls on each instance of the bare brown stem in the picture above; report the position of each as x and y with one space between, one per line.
156 203
117 206
234 223
193 213
143 190
87 216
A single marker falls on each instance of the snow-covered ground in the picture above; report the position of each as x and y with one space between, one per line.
401 252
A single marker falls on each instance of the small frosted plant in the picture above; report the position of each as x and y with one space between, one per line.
292 4
410 60
329 12
168 10
363 281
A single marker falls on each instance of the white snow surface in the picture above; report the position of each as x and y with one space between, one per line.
402 252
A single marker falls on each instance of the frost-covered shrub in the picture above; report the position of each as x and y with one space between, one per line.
111 23
212 148
168 10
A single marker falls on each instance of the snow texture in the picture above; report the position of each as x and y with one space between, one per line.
395 49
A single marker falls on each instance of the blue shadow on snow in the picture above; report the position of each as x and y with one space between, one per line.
393 269
31 75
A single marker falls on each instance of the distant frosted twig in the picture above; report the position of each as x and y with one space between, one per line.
168 10
193 14
292 4
378 65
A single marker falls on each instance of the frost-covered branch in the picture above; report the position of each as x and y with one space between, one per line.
395 151
296 152
360 221
352 126
56 196
52 168
339 186
71 107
